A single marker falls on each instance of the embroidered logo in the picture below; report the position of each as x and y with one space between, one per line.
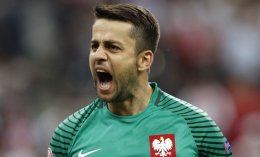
162 145
50 152
88 153
227 146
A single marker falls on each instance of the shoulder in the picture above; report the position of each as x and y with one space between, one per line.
65 132
208 137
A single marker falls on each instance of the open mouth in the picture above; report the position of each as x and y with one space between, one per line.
104 79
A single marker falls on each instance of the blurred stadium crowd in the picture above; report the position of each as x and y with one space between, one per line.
209 55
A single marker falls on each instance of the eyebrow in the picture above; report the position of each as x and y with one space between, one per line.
107 42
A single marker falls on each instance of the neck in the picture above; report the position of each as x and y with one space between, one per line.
134 105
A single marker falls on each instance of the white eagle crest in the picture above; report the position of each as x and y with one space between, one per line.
162 147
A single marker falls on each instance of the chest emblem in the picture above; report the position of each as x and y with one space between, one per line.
162 145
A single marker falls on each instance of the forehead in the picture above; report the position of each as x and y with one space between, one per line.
104 29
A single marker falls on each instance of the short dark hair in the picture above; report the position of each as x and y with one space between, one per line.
146 27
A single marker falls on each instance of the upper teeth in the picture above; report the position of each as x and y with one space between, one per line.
100 70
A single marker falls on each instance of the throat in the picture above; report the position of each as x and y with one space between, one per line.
125 110
130 107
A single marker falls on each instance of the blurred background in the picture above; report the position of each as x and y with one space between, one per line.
209 55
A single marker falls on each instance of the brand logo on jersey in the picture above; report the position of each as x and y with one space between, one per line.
50 152
88 153
162 145
227 146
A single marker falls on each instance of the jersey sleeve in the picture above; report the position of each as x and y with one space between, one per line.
208 137
65 132
62 138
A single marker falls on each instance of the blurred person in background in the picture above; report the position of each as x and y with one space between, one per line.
132 116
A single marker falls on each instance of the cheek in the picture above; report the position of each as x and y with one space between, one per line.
91 64
90 58
127 69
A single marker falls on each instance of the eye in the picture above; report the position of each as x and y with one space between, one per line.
112 47
94 47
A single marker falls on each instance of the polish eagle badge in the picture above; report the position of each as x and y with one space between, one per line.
162 145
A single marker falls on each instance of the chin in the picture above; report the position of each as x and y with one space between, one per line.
106 98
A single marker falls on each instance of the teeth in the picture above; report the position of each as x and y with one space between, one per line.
100 70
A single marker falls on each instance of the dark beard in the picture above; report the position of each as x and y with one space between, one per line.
125 84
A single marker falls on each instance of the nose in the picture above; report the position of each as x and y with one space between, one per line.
99 55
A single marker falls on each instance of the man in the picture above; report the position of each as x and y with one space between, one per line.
132 117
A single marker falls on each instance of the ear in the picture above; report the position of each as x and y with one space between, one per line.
145 60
